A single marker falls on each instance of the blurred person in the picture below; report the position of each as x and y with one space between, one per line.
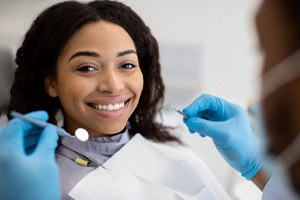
278 28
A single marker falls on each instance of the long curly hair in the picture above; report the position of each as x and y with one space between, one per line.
46 39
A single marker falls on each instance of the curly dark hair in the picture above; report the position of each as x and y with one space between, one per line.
47 37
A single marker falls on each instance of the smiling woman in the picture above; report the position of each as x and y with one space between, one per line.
99 81
96 66
55 34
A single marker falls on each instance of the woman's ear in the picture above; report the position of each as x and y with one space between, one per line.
50 86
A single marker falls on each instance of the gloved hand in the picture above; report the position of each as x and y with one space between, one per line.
228 126
28 176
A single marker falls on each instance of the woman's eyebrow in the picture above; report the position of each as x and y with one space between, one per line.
126 52
85 53
96 55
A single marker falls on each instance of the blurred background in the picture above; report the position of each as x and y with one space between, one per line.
206 46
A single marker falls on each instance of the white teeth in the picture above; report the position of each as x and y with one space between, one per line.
110 107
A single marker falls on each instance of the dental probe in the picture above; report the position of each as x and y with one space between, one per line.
81 134
178 111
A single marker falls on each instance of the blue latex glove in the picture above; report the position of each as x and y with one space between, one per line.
228 126
33 175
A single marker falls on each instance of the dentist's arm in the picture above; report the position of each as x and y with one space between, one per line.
28 174
228 126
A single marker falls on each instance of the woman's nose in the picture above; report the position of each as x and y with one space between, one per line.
111 81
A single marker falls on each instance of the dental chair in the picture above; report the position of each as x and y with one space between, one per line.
7 69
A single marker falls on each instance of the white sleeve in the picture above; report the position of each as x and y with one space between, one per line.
276 190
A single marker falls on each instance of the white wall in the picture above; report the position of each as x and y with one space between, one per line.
206 46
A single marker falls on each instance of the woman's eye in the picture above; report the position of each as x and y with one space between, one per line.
128 66
86 69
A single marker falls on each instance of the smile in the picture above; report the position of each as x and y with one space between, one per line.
109 107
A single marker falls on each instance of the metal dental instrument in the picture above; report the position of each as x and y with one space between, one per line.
178 111
41 124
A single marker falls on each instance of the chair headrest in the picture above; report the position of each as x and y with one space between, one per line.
7 70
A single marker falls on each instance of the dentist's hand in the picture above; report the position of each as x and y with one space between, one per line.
228 126
28 175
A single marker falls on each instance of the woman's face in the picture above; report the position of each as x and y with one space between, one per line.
99 80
